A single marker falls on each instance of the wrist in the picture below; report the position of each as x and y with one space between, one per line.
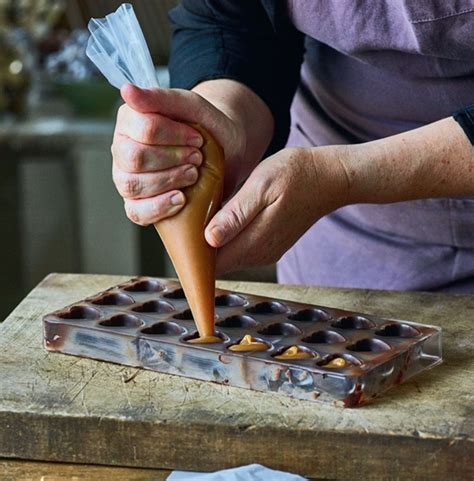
245 110
329 171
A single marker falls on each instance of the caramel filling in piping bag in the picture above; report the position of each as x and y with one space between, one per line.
183 236
247 344
294 352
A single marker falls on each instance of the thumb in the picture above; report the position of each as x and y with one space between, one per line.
175 104
141 100
237 214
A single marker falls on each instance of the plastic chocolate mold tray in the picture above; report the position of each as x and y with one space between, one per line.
146 322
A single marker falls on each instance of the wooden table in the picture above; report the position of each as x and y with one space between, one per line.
62 408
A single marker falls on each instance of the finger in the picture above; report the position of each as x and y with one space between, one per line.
149 184
236 214
155 129
148 211
131 156
239 253
258 244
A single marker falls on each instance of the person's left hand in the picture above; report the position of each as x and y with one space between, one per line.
284 196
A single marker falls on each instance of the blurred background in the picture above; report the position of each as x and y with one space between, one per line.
59 211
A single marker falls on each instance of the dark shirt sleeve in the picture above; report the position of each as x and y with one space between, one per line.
465 118
251 41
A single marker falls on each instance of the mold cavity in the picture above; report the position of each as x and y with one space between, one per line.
268 308
229 300
324 337
114 300
314 315
369 345
398 330
155 307
176 294
280 329
122 320
186 315
238 321
164 329
353 322
195 335
145 286
339 361
80 312
296 353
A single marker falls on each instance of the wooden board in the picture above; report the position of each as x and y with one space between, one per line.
16 470
61 408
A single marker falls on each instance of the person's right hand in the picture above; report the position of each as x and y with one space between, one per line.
155 153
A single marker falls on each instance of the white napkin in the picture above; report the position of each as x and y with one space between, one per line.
252 472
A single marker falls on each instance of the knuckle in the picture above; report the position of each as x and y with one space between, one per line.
122 114
132 185
121 111
116 149
151 131
135 160
129 186
233 218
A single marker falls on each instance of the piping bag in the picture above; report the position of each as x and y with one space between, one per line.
119 50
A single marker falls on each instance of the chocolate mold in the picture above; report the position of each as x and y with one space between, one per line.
353 322
122 320
155 307
146 322
312 315
280 329
145 286
324 337
238 321
176 294
164 328
80 313
229 300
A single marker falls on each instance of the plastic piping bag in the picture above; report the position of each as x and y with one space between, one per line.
118 48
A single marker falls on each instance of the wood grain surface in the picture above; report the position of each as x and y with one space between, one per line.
20 470
55 407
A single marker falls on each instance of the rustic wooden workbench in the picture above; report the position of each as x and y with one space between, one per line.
62 408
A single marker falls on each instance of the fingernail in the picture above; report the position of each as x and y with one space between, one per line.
177 199
218 234
195 141
195 158
191 174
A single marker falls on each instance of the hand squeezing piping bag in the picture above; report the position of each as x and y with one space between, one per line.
119 50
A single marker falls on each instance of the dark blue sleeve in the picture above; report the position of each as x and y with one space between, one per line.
465 118
252 41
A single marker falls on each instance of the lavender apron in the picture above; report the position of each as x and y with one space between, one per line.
374 69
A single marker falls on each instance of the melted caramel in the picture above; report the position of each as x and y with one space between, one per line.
247 344
294 352
205 340
337 362
183 235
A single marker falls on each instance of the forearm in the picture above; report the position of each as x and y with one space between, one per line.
248 111
436 160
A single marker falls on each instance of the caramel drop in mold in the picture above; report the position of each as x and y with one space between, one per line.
248 344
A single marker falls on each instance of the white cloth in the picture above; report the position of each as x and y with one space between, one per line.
252 472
